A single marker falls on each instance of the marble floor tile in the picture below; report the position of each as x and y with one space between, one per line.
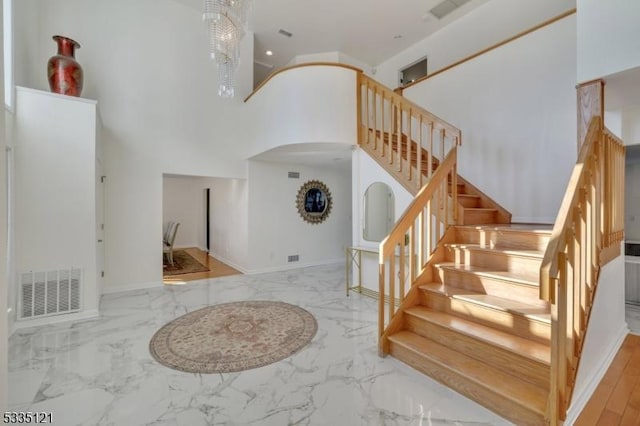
100 372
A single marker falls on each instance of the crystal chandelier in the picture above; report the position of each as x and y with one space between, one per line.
225 21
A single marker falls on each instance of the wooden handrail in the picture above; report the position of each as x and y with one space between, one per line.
409 245
403 137
589 227
292 67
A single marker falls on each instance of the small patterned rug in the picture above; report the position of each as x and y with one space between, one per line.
233 337
183 263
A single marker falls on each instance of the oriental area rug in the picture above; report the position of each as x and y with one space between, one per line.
233 337
183 263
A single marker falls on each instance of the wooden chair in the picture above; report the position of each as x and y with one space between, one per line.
167 244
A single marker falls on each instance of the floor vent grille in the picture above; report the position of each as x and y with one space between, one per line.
50 293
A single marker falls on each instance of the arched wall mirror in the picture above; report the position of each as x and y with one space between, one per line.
379 208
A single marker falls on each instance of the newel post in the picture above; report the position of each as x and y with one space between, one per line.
590 104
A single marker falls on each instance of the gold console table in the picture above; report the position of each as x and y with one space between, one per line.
354 257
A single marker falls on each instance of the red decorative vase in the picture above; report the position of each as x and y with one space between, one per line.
65 74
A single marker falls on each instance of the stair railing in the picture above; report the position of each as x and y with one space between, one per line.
408 247
586 235
395 131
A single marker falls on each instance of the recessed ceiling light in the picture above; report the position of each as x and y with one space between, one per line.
268 53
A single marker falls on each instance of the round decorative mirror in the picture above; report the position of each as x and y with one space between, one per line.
314 201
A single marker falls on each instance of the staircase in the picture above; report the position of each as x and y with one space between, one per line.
479 326
494 310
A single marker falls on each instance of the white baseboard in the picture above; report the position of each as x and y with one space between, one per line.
138 286
228 262
580 400
56 319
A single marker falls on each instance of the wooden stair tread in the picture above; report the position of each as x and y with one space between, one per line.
480 209
507 386
507 251
524 347
520 278
512 227
532 312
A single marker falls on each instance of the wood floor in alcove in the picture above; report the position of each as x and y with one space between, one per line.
616 400
216 269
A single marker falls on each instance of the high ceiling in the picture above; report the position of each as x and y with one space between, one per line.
368 30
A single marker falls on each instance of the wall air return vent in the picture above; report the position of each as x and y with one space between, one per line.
444 8
49 293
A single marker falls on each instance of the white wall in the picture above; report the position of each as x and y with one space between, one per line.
335 56
365 171
631 125
307 99
27 67
276 230
606 332
516 108
55 217
147 63
3 247
487 25
230 222
608 37
315 57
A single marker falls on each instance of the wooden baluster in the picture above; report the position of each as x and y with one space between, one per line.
421 255
399 134
584 250
561 330
430 155
554 388
592 230
607 195
438 196
577 277
409 143
412 254
419 155
383 133
392 131
401 267
442 140
392 282
570 287
445 196
381 291
374 107
429 229
454 189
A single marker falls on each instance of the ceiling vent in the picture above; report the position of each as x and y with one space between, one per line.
284 33
444 8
